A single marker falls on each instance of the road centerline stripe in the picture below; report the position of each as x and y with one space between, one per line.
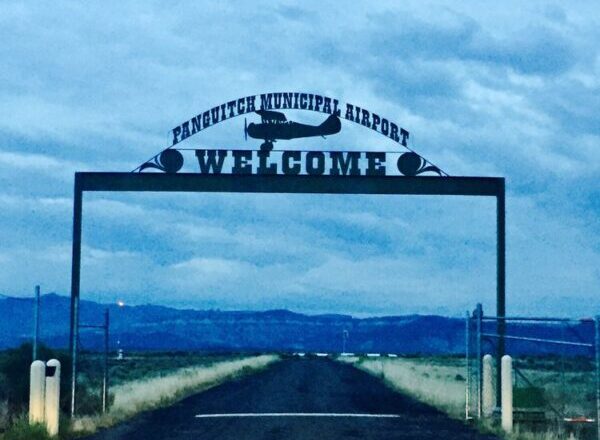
365 415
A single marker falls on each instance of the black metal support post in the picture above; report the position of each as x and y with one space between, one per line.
500 284
75 283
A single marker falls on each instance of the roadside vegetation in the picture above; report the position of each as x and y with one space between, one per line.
437 382
146 393
139 382
440 382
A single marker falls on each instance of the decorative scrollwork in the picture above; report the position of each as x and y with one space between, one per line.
169 161
411 164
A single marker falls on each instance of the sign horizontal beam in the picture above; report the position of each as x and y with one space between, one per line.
192 182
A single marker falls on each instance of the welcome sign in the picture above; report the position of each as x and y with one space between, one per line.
294 162
275 126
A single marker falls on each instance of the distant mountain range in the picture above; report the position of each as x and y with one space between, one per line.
151 327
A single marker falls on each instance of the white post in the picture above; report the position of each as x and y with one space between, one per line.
37 386
489 398
507 394
52 397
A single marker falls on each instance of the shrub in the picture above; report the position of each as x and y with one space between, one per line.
22 430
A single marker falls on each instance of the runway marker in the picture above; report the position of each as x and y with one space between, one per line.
376 416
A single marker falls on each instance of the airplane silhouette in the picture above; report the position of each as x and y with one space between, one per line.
275 126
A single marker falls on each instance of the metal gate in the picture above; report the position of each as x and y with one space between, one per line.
556 365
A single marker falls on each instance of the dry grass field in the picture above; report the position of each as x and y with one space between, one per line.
437 381
158 389
440 381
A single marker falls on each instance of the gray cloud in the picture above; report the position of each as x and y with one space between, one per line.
507 90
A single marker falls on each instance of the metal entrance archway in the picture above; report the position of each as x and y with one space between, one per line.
324 184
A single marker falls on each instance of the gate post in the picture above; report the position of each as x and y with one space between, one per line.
37 387
479 318
489 400
467 366
507 393
105 369
597 349
36 322
52 404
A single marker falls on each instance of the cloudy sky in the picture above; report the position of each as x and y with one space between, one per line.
501 89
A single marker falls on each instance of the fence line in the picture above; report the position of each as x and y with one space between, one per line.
548 341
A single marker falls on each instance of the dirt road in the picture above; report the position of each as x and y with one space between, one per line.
296 399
